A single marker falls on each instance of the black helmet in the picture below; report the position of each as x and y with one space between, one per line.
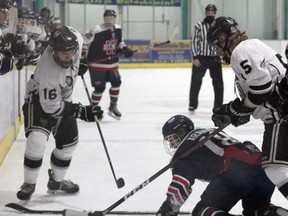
175 130
211 7
6 3
26 13
221 26
110 12
63 39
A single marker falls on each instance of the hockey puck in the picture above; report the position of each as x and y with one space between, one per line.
120 183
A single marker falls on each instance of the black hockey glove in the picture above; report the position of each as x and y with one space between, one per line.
83 66
166 210
127 52
6 62
87 113
20 64
286 51
238 114
282 105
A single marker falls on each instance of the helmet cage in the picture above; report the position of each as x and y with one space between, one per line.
109 21
171 143
4 17
174 132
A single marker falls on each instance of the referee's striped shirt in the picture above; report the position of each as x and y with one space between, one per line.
199 44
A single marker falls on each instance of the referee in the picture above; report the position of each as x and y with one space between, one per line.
204 57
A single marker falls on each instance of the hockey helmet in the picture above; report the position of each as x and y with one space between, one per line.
110 18
211 7
175 130
221 29
26 19
6 4
64 40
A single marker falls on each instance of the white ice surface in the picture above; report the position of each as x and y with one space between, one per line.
148 98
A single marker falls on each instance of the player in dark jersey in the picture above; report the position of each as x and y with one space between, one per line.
233 169
105 44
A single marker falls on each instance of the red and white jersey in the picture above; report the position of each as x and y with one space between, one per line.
257 68
53 83
103 43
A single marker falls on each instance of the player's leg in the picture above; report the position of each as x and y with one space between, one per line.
66 137
37 130
275 155
259 191
115 80
98 81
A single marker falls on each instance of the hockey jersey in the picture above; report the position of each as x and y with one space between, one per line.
257 68
103 43
216 156
53 83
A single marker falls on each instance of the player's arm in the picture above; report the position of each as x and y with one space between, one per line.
178 191
53 104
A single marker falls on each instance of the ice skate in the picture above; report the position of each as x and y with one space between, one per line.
64 186
26 190
114 112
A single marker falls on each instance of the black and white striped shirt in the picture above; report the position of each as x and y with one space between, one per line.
199 44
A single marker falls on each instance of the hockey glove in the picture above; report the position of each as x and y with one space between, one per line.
83 66
6 62
87 113
238 114
282 102
127 52
20 64
166 210
286 51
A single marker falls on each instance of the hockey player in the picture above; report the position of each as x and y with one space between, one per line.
48 108
233 169
105 41
257 68
6 59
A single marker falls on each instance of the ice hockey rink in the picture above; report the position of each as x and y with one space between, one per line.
148 97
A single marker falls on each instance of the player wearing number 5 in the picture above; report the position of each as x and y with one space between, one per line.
48 108
258 69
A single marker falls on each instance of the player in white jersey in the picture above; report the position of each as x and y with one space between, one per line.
258 69
49 108
6 59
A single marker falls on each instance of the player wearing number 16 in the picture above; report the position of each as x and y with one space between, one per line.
49 108
259 70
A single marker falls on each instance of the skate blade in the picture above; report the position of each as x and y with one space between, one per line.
113 115
60 192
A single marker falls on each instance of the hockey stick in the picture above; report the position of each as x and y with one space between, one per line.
225 121
134 51
70 212
25 210
120 181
